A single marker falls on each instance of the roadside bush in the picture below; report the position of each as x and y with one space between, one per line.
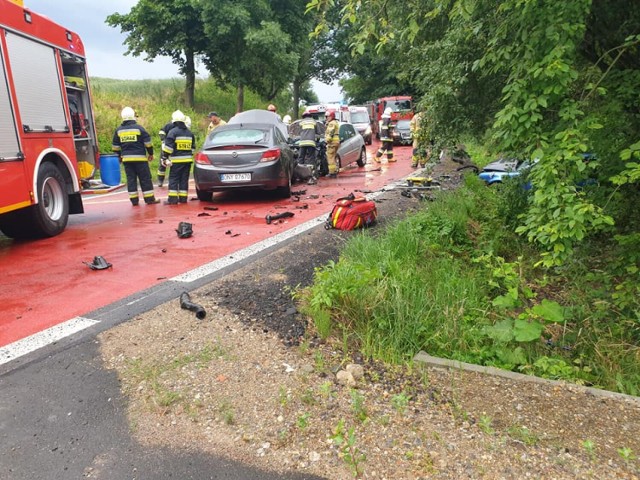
454 280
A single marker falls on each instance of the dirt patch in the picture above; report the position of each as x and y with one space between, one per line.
251 383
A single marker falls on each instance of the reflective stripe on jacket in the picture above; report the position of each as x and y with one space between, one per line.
332 135
132 142
308 131
385 130
179 144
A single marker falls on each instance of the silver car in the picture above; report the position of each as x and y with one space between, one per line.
249 152
352 147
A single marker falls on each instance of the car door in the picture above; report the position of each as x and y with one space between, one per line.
347 151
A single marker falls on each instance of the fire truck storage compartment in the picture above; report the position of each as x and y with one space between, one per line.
77 96
38 92
9 146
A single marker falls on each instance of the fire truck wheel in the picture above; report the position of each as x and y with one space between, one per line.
46 219
51 213
362 161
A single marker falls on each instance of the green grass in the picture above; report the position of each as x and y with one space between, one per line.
455 281
154 101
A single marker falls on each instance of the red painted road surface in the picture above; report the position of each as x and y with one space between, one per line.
46 282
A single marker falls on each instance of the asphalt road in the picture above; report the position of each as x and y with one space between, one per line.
62 415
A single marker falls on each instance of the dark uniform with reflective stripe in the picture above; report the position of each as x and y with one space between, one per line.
386 137
178 148
133 143
308 132
162 169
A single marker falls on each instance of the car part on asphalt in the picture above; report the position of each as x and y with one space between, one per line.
184 230
99 263
271 218
187 304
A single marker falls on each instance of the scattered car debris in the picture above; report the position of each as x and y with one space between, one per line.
299 193
204 214
99 263
184 230
304 206
211 208
187 304
271 218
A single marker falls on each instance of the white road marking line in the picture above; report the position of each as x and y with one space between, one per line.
44 338
219 264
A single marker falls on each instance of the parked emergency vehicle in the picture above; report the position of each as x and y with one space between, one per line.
359 116
48 142
401 109
318 112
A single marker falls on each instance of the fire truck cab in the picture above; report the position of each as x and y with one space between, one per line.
48 143
401 109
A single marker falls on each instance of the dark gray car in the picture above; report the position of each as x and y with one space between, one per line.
249 152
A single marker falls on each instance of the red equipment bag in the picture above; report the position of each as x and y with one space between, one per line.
352 212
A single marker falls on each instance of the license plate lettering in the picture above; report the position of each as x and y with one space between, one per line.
235 177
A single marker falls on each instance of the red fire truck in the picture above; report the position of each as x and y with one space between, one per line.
48 144
401 106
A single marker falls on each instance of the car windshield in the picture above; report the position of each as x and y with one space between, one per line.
398 105
359 117
239 136
403 124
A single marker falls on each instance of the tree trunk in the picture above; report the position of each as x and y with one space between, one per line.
240 98
296 98
190 76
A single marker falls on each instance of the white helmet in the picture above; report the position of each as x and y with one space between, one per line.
187 121
178 116
128 113
388 111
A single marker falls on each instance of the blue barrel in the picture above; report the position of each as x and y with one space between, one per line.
110 169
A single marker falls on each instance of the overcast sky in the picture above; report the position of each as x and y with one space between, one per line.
104 44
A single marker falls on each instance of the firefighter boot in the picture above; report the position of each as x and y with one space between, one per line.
160 181
151 201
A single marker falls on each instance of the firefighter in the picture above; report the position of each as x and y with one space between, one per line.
133 144
386 136
177 152
309 131
421 152
214 122
332 137
162 168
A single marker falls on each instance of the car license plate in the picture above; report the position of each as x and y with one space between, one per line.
235 177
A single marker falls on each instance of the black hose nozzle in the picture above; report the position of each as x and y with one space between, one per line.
187 304
271 218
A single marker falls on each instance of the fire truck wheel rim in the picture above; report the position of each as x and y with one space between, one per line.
52 198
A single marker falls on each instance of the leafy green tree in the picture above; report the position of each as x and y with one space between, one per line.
247 47
171 28
541 79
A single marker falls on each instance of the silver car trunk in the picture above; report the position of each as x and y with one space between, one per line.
241 156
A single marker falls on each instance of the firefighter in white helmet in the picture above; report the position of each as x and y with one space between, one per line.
177 152
386 137
133 144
